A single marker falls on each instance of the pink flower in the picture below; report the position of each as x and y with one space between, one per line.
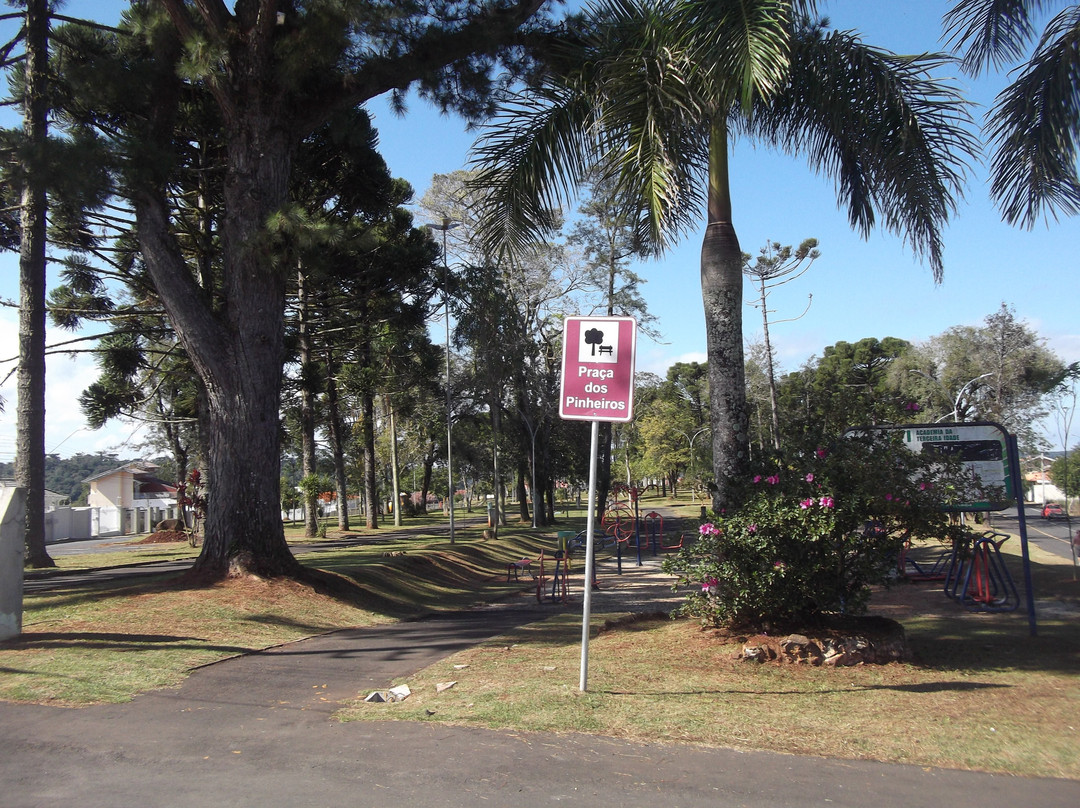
820 453
806 503
709 585
709 529
773 480
888 497
827 502
757 478
778 565
809 478
751 529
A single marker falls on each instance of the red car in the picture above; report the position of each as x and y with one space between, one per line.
1051 510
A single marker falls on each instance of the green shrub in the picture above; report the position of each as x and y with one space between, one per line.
817 529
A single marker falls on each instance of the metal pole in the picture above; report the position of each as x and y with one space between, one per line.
446 225
1018 493
586 609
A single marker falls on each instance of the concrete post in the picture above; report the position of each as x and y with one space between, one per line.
12 549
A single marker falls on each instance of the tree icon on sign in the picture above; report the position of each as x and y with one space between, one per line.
594 337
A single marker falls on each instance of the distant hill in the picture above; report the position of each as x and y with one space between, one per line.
65 475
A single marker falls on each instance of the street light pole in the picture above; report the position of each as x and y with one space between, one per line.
692 439
446 225
955 414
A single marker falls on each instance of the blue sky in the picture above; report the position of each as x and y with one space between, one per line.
861 288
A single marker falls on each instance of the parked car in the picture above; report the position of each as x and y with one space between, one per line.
1051 510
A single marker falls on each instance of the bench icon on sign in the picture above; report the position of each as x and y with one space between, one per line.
606 349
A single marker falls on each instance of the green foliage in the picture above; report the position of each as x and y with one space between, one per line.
848 386
314 484
817 529
1000 371
65 475
1065 472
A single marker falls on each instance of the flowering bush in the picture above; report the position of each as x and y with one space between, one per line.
817 529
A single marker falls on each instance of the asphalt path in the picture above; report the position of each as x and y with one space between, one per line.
260 730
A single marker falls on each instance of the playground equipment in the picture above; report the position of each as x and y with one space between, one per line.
977 577
934 569
560 577
618 521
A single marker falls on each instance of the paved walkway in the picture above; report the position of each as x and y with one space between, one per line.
259 731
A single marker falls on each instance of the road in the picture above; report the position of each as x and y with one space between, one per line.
1051 535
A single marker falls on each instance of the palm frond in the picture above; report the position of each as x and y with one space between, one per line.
895 139
1035 129
529 162
741 46
626 107
991 32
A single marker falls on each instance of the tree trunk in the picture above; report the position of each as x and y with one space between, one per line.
307 409
237 348
337 440
429 466
603 464
30 386
496 474
522 494
394 477
770 370
371 485
722 296
236 344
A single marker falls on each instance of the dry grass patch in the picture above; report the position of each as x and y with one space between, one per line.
990 708
84 644
105 645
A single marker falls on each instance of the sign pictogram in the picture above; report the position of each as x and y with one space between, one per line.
598 369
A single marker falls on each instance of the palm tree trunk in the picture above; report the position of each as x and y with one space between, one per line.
722 296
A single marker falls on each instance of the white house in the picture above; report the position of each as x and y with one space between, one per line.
131 498
132 486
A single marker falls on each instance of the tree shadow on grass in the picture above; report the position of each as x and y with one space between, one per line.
921 687
111 641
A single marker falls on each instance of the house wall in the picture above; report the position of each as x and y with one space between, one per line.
69 523
116 491
1043 492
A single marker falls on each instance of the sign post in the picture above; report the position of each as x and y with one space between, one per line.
597 385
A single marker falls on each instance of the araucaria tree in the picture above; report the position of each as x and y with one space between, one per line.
272 71
654 90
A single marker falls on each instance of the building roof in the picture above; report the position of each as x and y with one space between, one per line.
137 468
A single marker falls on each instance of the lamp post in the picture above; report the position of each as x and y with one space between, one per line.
701 431
955 414
446 225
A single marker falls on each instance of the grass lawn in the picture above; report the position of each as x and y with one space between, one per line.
979 693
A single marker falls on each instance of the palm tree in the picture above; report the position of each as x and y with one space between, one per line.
655 89
1034 125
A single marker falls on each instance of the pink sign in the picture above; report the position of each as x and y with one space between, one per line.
598 369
